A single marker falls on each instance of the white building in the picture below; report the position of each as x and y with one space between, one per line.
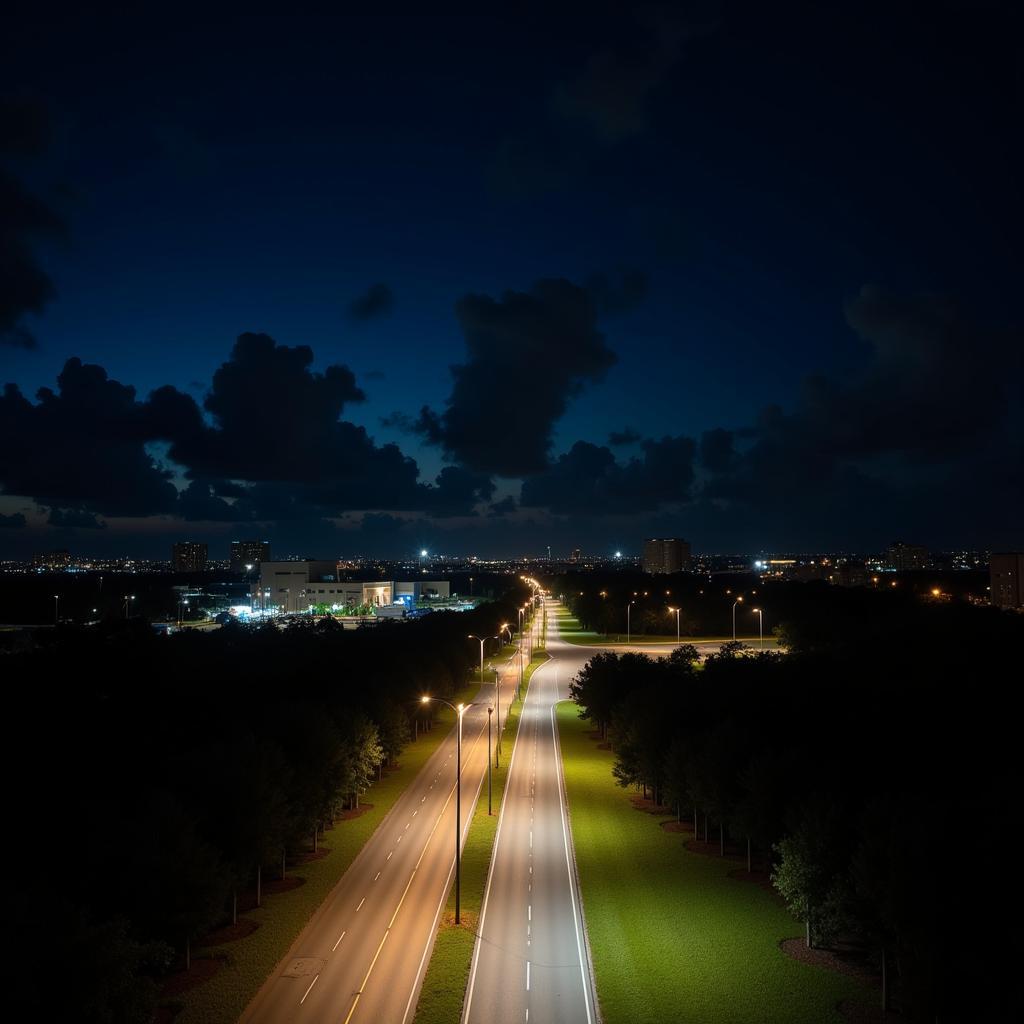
285 587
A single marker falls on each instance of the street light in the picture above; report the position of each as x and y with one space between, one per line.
128 598
497 702
56 605
739 600
519 685
760 626
629 608
676 610
458 796
473 636
490 711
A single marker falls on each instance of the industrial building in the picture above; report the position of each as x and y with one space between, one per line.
1006 589
287 587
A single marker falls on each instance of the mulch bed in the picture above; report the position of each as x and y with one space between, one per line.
649 806
203 969
827 958
712 848
277 885
355 812
676 826
305 858
231 932
757 876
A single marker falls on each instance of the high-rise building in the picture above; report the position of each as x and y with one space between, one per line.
1006 579
576 555
248 552
188 556
666 554
903 557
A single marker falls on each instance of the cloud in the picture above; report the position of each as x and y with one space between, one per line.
74 519
934 403
588 480
83 447
490 427
15 521
618 292
506 506
24 218
378 300
202 501
622 438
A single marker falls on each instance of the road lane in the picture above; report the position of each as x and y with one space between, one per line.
530 959
362 955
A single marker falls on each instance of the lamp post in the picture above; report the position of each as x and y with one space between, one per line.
519 686
760 627
490 711
458 798
676 610
739 600
56 606
497 703
629 608
128 598
473 636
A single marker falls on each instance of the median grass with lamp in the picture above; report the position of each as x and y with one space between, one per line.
250 960
444 987
673 936
570 631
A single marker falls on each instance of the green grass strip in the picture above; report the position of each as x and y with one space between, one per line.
444 986
673 937
251 960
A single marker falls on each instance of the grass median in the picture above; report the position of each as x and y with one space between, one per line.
444 986
673 936
250 960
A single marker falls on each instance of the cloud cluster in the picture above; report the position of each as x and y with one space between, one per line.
24 218
378 300
550 331
587 480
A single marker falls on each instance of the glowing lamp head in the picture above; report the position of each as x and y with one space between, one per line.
423 552
424 700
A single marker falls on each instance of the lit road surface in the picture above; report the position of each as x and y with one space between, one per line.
363 955
530 961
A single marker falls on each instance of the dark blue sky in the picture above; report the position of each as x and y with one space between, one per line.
716 186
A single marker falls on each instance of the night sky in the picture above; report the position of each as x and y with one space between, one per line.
750 275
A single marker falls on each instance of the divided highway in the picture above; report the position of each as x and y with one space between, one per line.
363 955
530 960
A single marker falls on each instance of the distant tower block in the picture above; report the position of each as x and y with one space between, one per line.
666 554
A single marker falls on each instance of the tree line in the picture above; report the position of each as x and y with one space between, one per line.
161 777
869 773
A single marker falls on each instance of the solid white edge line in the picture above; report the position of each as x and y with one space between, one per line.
496 848
568 863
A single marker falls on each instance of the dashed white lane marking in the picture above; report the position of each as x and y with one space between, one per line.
308 990
531 838
376 876
399 838
424 800
407 824
414 813
338 943
391 854
527 975
361 902
529 912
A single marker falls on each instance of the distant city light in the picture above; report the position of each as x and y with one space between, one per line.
423 553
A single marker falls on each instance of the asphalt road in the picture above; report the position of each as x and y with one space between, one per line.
363 955
530 960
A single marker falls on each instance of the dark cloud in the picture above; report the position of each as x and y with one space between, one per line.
587 480
83 447
611 96
622 438
457 491
201 501
500 509
935 401
609 101
24 218
617 292
377 300
15 521
74 519
492 428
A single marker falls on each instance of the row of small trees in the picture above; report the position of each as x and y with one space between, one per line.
197 767
837 769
